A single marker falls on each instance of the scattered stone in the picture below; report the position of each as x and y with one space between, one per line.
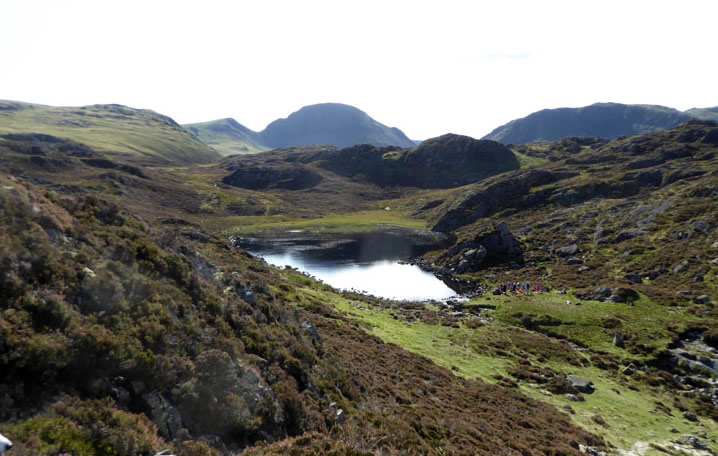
702 299
340 416
602 241
574 398
690 416
618 340
693 441
312 331
680 267
698 278
683 292
574 260
715 262
568 250
581 384
633 277
88 272
592 451
628 234
584 269
715 246
629 370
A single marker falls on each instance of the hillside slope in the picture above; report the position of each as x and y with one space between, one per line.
606 120
227 136
130 338
127 134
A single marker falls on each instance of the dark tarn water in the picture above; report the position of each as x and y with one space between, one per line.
368 263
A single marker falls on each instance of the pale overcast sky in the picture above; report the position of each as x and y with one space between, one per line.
427 67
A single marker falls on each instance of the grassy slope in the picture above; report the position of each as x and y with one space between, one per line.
130 134
226 137
628 406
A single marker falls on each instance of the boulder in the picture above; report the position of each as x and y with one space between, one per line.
633 278
714 262
702 299
693 441
566 251
626 235
690 416
618 340
680 267
601 294
622 294
581 384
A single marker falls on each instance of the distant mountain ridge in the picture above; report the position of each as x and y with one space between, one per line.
332 124
606 120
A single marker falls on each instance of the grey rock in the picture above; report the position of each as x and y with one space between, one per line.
602 241
622 294
702 299
247 294
633 278
581 384
566 251
699 227
714 262
584 269
164 415
626 235
312 331
601 294
693 441
680 267
574 261
340 416
690 416
573 397
618 340
629 370
591 451
469 254
698 278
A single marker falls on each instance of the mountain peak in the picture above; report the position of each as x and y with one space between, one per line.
336 124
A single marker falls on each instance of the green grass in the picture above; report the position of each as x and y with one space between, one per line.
334 223
116 130
527 161
645 320
488 351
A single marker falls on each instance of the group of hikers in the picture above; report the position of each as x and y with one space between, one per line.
518 288
523 288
